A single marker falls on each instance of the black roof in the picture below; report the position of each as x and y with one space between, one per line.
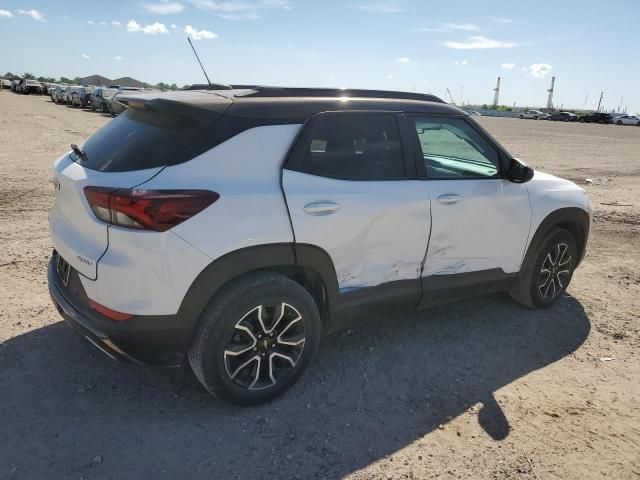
294 104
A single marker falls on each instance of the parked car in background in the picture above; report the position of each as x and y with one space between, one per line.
595 117
82 97
627 120
563 117
100 98
6 83
14 85
531 114
68 93
31 87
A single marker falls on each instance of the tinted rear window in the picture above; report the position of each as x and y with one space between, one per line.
139 139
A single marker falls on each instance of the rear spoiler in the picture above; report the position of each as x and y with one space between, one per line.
196 105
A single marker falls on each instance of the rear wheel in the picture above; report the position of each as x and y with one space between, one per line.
548 272
255 339
619 122
521 117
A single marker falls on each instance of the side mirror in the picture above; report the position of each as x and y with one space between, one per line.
519 172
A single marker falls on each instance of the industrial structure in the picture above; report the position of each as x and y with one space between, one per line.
550 97
497 93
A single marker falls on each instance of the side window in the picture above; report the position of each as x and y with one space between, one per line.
451 148
351 147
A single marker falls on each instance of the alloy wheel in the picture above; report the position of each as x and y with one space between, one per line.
555 271
265 346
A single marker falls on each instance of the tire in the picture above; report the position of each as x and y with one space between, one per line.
231 322
521 117
619 122
533 287
581 120
93 107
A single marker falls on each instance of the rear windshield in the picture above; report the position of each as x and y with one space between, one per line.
139 139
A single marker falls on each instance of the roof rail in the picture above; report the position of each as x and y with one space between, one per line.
266 91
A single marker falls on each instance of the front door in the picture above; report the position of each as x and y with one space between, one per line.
480 220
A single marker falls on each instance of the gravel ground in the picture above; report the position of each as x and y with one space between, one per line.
477 389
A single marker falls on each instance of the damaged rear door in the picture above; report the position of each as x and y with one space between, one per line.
351 189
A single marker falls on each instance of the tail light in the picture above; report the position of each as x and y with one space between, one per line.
111 314
157 210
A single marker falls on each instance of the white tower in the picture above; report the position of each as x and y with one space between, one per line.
550 97
497 94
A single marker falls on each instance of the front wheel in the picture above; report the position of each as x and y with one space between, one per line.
521 117
548 272
619 122
255 339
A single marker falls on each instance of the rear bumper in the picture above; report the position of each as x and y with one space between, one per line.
150 340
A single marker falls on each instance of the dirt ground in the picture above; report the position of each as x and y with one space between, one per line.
477 389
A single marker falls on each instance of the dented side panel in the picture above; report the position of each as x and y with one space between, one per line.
376 231
487 227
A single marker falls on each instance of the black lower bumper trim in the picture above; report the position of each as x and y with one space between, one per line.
150 340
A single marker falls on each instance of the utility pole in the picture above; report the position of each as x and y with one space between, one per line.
620 105
586 100
497 94
550 97
600 101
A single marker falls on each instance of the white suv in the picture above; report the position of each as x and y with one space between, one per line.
232 228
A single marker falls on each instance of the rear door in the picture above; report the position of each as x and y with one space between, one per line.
480 220
352 191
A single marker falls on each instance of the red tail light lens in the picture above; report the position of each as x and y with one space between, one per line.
157 210
111 314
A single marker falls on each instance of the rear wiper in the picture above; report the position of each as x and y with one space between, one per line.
79 153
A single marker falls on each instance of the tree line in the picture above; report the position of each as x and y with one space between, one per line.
76 80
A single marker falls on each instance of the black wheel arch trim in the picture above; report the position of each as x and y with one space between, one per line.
276 257
574 219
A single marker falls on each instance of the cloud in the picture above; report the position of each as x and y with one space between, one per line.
173 26
85 56
431 29
507 66
461 62
469 27
164 8
115 23
104 24
477 42
239 16
199 34
35 14
389 77
90 22
5 13
153 29
377 7
540 70
402 60
241 9
503 20
118 58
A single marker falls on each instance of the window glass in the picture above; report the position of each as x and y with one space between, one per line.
451 148
353 147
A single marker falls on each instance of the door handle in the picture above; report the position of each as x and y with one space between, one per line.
449 198
321 208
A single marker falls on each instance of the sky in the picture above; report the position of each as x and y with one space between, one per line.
414 45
